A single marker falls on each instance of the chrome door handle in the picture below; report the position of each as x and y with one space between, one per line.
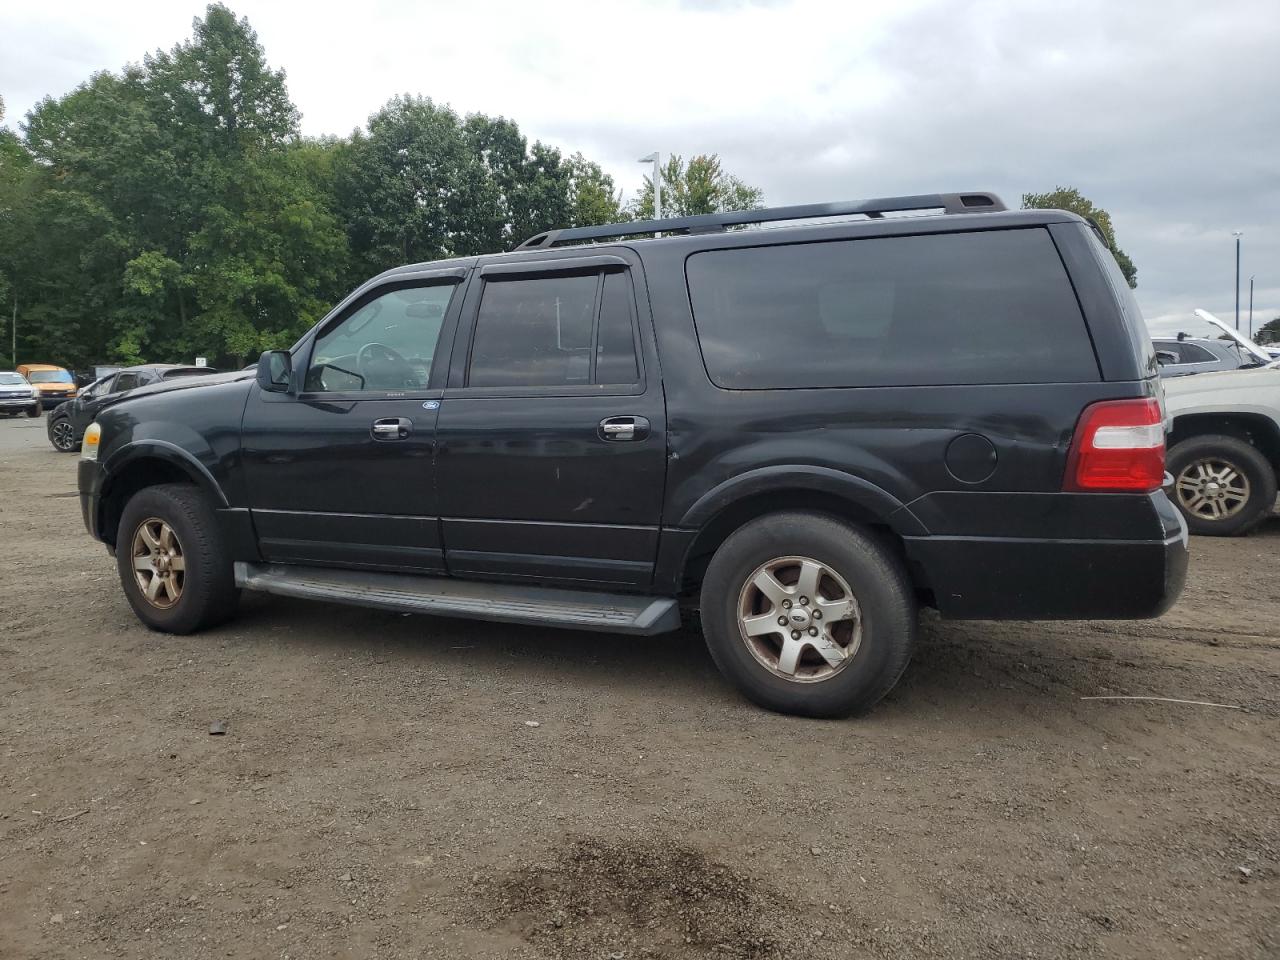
624 428
391 428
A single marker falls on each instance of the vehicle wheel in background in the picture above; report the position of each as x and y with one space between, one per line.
33 412
175 569
62 434
1222 485
808 615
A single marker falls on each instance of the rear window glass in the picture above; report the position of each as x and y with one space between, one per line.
960 308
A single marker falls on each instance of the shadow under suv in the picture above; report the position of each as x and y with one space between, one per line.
802 432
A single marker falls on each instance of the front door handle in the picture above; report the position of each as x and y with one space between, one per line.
391 428
624 428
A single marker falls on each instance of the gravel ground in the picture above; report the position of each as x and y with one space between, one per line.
396 786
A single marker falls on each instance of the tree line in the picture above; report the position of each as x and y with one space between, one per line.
174 208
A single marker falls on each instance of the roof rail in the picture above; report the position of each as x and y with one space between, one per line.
717 222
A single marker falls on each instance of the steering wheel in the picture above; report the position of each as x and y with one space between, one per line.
382 367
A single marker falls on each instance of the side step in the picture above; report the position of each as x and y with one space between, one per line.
507 603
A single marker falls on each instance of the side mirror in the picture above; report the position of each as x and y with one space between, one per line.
275 371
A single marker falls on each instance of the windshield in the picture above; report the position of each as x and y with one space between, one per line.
49 376
12 379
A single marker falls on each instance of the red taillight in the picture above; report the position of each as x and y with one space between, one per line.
1118 445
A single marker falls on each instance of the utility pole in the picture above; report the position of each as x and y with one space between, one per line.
14 330
656 159
1237 234
1250 307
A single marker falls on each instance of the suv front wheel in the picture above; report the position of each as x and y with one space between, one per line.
175 569
808 615
62 434
1223 486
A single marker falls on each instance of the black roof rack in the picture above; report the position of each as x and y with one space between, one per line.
717 222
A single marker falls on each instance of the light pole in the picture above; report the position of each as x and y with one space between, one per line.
1251 307
1237 234
655 159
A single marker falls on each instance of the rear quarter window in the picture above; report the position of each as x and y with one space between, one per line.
956 308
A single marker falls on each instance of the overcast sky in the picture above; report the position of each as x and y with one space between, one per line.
1165 113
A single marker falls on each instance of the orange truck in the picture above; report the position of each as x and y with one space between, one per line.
54 383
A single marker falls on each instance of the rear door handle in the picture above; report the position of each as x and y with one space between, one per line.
391 428
614 429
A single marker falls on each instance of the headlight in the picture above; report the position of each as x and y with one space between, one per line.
89 445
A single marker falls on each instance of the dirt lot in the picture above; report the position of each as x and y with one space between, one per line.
382 790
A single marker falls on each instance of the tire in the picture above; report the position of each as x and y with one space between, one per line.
1245 491
205 592
62 434
33 412
876 638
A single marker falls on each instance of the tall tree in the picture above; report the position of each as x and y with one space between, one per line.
594 199
208 233
1269 332
702 186
1069 198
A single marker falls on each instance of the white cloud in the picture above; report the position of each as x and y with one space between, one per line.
1130 102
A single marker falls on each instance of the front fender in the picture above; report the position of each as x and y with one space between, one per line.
166 452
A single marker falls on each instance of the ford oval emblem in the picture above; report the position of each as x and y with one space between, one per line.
430 404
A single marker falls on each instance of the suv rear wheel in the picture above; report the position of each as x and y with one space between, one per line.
176 571
1223 486
808 615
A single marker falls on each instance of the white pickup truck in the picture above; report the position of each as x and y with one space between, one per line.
1224 442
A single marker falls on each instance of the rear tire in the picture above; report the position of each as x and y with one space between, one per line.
1223 486
818 664
202 593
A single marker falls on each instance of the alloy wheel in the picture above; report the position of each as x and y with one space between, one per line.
64 435
159 566
1212 489
799 619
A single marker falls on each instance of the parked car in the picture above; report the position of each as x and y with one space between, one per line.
54 383
745 422
68 422
17 395
94 374
1179 357
1224 448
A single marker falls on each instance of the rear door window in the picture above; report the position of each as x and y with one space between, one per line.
957 308
570 330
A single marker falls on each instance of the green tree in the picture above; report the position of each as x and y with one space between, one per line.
1269 332
207 224
701 187
594 199
1069 198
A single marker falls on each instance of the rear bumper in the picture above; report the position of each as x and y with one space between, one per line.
1020 578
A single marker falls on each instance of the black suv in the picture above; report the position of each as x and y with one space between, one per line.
67 422
803 432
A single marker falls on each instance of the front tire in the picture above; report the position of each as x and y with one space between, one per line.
1223 486
847 603
174 567
33 412
62 434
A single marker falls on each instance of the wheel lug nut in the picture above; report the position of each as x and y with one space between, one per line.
813 631
786 604
782 621
795 634
817 614
804 601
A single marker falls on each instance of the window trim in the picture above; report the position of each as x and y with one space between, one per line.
422 280
540 269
